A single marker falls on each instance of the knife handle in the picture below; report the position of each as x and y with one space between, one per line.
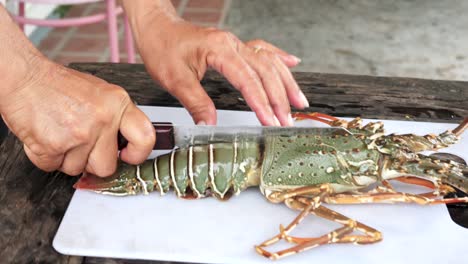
164 137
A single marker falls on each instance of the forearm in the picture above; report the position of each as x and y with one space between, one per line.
18 57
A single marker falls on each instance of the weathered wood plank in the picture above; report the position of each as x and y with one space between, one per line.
32 204
335 94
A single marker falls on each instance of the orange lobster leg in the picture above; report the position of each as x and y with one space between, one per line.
461 128
315 116
308 201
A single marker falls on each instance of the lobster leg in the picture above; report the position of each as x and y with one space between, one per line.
277 197
439 189
330 120
461 128
306 243
319 192
315 116
308 200
339 235
388 186
393 197
371 234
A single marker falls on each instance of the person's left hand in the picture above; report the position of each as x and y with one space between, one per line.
177 54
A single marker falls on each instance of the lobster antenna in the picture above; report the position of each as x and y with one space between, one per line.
461 128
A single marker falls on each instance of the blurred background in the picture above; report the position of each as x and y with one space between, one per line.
405 38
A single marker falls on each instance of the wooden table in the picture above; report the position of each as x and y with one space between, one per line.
32 203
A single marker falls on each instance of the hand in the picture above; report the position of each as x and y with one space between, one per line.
69 121
177 54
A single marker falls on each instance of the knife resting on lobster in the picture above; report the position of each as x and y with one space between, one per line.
170 136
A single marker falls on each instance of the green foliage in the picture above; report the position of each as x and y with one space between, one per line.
61 10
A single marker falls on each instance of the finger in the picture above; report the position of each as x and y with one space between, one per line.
140 134
75 160
262 63
193 97
295 95
238 72
102 160
289 59
44 162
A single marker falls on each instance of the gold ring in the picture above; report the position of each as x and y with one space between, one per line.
257 49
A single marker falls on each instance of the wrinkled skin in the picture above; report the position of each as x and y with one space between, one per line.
67 120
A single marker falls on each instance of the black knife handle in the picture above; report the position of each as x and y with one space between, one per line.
164 137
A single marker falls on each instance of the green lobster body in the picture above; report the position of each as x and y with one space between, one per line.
348 160
273 163
311 160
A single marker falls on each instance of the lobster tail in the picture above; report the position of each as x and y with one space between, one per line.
195 172
127 180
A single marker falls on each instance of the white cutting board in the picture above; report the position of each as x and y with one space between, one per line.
209 231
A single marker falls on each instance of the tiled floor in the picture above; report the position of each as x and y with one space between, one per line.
90 43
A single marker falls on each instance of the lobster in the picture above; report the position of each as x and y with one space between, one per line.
348 166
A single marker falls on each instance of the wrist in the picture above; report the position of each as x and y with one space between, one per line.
144 13
22 71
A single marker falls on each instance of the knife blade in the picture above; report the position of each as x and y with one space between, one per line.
169 136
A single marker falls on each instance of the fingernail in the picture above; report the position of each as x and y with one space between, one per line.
201 123
304 99
276 121
290 120
298 60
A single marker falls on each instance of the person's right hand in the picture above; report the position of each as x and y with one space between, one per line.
68 121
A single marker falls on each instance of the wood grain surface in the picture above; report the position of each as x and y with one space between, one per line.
335 94
32 202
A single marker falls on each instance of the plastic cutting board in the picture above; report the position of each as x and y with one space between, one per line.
165 228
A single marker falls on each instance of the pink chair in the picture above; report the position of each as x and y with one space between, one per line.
111 15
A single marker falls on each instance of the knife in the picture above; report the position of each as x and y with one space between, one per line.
170 136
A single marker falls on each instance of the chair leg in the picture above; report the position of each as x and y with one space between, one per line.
113 31
21 13
129 42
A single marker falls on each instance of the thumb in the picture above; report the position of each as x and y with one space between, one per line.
138 130
194 98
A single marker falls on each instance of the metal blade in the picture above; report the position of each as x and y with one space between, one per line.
169 136
191 134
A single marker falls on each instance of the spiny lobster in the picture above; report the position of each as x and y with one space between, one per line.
304 171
